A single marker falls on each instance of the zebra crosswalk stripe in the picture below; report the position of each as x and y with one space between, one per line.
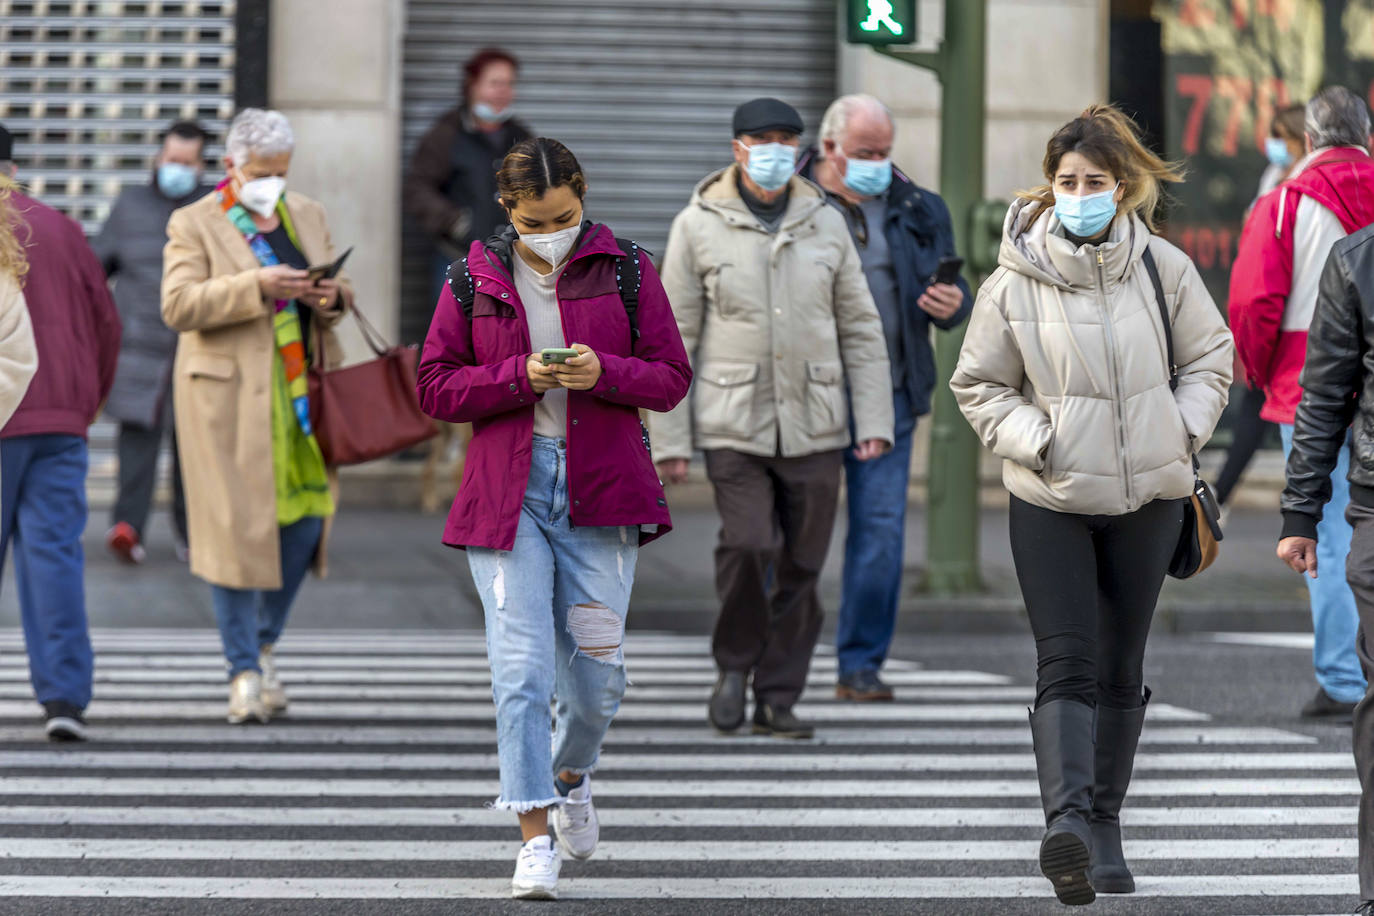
388 755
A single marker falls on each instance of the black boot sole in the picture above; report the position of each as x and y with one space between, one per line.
801 735
1064 860
1113 885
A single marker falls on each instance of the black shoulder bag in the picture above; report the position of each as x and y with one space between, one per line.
1198 541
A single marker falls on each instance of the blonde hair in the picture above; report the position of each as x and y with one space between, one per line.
13 259
1108 138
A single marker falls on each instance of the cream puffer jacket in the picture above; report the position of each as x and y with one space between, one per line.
1064 373
18 352
781 329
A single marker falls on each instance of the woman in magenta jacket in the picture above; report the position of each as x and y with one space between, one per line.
559 489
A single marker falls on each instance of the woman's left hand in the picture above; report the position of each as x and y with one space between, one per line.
580 372
869 449
323 296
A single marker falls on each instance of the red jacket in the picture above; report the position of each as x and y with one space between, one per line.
75 325
476 372
1269 326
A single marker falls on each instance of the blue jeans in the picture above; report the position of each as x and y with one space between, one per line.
44 514
1334 617
555 617
874 549
250 619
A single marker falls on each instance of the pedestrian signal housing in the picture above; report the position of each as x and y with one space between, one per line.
882 22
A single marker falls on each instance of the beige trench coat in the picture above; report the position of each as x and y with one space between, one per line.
222 388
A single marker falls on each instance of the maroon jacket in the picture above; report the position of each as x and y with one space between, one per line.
75 325
477 373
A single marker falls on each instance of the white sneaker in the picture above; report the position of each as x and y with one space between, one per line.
536 871
273 694
245 699
576 823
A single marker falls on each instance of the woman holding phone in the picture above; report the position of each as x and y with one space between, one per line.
258 495
1065 374
549 339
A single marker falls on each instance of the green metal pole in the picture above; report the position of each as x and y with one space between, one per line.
952 514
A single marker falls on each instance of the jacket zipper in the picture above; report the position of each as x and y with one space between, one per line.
568 417
1117 406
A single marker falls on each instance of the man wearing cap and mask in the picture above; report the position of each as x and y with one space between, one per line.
43 455
130 249
786 341
901 232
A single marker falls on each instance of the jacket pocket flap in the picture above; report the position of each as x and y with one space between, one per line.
827 372
484 306
727 375
210 365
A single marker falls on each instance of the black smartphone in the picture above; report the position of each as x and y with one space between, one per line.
948 271
328 271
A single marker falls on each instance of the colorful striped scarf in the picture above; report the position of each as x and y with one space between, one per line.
286 325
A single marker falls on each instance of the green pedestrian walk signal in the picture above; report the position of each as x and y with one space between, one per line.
882 22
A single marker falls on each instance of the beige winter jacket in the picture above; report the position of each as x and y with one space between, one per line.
1063 371
775 324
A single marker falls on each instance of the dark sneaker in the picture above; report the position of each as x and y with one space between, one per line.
1322 706
1366 908
64 722
726 709
864 686
780 723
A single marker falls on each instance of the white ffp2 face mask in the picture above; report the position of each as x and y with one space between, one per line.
553 246
261 194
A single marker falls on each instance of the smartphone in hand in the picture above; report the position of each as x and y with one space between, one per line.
327 271
947 272
550 355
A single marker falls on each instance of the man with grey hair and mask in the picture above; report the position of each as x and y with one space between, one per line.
1274 286
901 232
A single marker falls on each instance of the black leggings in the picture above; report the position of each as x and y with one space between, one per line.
1090 583
1247 433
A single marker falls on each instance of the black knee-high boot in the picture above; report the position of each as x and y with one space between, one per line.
1118 736
1062 732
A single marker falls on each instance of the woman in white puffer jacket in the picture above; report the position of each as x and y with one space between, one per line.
1064 373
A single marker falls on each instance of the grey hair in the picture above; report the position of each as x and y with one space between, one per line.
1337 117
836 120
258 132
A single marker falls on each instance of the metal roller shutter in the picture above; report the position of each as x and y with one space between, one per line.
641 92
86 87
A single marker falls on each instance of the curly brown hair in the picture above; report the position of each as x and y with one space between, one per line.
13 259
1107 136
532 167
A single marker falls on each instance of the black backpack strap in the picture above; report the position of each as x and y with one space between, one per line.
629 289
460 284
1153 270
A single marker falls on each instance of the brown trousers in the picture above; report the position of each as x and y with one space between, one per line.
777 516
1359 572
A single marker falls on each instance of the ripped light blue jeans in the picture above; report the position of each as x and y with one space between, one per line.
555 610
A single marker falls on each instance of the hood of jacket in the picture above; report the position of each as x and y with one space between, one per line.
719 193
1341 179
1038 249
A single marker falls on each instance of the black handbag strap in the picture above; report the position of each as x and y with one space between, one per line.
1153 270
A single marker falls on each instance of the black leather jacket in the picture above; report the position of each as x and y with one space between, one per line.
1338 389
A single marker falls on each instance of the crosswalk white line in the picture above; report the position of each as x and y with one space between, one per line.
626 788
657 888
346 709
703 679
371 661
284 731
615 818
1269 640
678 850
627 762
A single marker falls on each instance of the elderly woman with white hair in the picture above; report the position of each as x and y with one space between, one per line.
258 494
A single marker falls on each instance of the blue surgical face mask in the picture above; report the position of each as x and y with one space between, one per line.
868 177
485 112
1085 216
176 180
1278 153
771 164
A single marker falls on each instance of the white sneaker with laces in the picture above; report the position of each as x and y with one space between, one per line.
576 823
273 694
245 699
536 871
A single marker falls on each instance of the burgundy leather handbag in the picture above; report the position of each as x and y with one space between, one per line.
369 410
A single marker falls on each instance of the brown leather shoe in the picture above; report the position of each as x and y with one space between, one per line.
863 686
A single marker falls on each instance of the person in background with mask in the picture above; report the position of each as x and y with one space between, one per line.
43 452
1065 375
1284 147
560 491
1273 296
901 232
772 303
130 248
258 495
450 187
